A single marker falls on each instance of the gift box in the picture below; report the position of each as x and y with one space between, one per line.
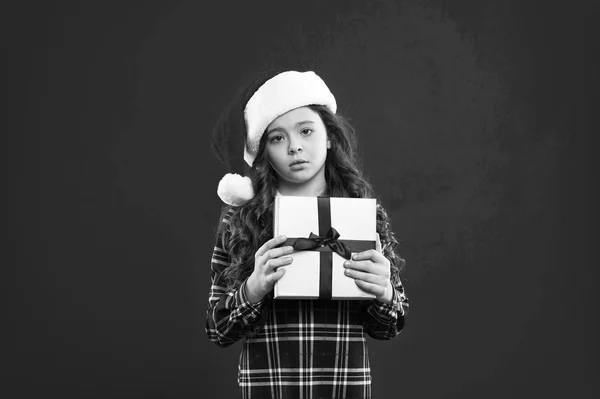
324 231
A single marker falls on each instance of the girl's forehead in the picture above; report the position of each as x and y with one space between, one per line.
295 116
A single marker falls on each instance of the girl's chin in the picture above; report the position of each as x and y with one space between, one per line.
296 177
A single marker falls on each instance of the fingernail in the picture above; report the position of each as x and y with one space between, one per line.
355 256
282 237
346 264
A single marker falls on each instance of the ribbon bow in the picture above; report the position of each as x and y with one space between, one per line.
330 240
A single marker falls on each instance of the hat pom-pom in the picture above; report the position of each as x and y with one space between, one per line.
235 190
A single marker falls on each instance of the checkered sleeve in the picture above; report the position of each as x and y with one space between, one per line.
385 321
230 315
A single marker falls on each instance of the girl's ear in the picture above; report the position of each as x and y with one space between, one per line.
328 144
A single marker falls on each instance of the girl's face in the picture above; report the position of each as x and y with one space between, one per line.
297 146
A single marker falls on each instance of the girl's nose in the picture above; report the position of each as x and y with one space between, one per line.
294 148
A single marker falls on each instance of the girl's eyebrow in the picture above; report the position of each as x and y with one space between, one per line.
275 129
303 123
281 129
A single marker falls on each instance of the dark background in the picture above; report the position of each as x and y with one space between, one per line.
475 121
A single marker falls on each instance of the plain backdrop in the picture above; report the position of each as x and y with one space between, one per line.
474 119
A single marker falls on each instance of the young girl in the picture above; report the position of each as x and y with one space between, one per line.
295 144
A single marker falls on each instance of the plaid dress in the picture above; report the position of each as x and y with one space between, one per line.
299 348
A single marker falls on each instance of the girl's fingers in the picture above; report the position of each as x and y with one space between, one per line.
377 243
278 262
362 265
366 277
277 252
367 266
371 288
372 254
273 277
272 243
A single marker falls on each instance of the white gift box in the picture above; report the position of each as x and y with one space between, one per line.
307 277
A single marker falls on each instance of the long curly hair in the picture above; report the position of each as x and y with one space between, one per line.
251 224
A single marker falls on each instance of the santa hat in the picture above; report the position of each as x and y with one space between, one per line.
270 96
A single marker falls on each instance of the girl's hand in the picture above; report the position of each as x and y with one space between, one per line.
266 260
371 272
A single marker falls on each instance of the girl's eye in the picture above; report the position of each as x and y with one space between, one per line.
276 139
306 131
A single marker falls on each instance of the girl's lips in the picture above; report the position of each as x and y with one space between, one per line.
300 161
298 165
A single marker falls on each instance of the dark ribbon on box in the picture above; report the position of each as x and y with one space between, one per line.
326 243
331 240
